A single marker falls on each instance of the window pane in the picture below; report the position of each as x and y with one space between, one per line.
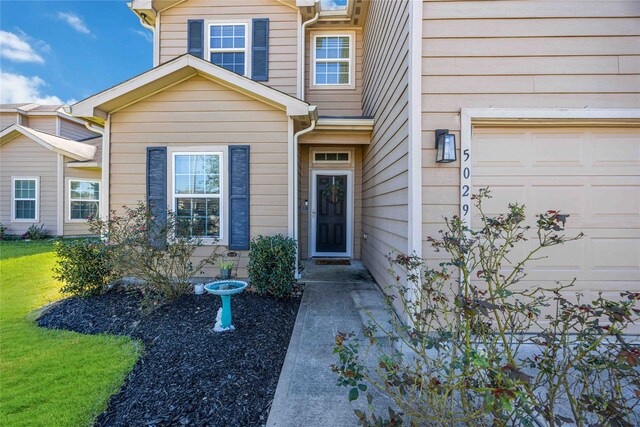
198 217
25 209
332 47
197 174
333 4
25 188
233 61
343 156
85 190
227 37
83 210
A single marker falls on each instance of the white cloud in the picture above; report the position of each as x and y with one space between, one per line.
16 48
16 88
145 34
75 21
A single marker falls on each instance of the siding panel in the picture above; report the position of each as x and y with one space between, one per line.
265 130
23 157
518 54
385 160
282 32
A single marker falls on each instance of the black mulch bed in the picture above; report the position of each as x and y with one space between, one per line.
189 374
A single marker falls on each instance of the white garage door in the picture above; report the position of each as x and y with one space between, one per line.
592 174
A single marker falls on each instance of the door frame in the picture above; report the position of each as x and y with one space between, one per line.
350 220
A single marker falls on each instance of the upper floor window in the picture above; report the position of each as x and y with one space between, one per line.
333 61
25 199
229 46
333 4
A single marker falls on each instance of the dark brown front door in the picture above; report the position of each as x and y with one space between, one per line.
331 221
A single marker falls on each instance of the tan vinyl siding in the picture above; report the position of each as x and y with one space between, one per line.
43 123
518 54
21 157
72 130
7 119
385 161
76 228
335 102
197 112
306 166
282 32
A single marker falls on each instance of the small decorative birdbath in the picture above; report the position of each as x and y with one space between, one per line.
225 288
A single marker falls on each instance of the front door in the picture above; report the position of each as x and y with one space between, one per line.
331 214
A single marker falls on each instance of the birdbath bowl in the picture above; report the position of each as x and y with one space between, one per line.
225 288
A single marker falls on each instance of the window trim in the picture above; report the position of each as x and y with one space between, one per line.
351 61
331 162
248 45
13 198
220 152
69 199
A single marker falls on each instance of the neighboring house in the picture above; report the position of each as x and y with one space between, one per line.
50 170
318 121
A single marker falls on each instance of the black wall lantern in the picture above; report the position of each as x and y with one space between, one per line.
445 146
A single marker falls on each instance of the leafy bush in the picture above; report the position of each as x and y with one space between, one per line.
35 232
477 349
159 252
272 261
84 266
3 230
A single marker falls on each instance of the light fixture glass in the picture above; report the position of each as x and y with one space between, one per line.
445 146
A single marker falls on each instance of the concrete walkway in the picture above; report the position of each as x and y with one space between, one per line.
336 299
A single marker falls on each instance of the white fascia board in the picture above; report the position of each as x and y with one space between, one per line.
549 113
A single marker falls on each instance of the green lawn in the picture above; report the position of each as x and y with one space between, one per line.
50 378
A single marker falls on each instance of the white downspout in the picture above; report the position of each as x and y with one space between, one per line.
301 49
295 188
104 184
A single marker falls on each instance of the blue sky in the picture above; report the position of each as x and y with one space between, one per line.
64 51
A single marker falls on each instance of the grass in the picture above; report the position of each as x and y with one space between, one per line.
50 378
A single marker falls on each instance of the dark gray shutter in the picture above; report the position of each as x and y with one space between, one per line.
239 197
157 192
260 50
195 37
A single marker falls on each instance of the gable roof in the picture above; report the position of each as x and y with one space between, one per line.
97 107
68 147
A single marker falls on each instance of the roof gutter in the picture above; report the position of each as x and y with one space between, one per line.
301 48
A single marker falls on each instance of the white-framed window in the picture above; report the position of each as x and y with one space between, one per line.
331 157
229 45
25 200
84 199
197 194
333 58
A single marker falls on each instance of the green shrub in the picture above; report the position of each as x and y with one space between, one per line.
478 348
272 263
84 266
158 251
35 232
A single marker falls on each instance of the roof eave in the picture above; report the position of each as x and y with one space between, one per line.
97 107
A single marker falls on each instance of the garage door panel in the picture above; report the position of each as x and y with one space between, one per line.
616 149
558 150
621 203
591 174
500 150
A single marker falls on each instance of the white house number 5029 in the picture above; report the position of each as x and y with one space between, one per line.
465 186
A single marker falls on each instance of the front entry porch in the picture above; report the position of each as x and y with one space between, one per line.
330 200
